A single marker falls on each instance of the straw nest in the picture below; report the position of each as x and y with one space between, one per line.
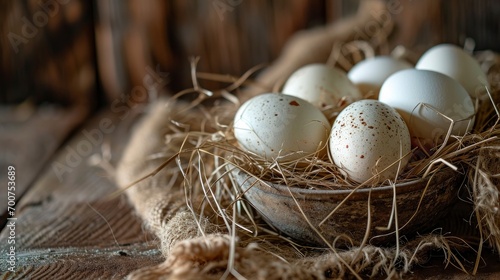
194 192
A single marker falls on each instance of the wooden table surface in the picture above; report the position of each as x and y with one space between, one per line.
67 225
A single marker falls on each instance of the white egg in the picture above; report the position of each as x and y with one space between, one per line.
321 85
456 63
369 75
367 137
407 91
280 127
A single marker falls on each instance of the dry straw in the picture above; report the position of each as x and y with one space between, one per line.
177 168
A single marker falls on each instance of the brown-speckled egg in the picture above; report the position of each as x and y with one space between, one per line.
280 127
367 137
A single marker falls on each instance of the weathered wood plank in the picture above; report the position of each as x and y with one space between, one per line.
28 138
67 225
89 263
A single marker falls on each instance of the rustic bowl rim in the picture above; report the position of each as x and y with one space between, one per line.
401 188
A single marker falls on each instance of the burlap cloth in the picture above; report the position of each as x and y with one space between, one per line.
198 243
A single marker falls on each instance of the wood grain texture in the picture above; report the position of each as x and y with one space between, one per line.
28 138
88 263
68 226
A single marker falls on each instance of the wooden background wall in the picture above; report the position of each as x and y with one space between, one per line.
88 46
423 23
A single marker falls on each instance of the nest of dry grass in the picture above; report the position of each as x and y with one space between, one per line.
233 240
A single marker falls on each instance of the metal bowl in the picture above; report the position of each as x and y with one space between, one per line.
420 204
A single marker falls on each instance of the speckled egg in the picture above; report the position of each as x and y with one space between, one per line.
280 127
369 74
321 85
367 137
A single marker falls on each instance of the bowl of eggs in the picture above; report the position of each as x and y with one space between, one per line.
348 217
322 112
